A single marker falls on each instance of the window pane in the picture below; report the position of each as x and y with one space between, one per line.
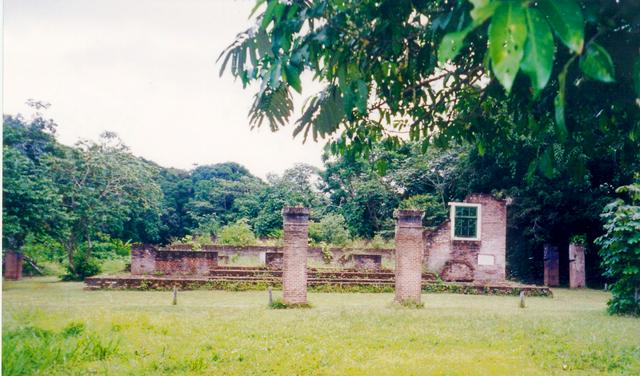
466 221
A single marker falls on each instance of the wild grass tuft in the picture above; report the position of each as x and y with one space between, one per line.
280 304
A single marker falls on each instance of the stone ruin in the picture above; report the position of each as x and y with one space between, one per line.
12 265
468 247
471 245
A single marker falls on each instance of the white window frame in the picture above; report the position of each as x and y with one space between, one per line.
452 216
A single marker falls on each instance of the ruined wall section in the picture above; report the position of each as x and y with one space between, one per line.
457 260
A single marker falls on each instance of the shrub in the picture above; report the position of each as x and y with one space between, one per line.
434 211
379 242
84 266
332 230
238 233
579 239
43 248
315 233
195 241
105 247
620 250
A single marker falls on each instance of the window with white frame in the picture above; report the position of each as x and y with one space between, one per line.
465 221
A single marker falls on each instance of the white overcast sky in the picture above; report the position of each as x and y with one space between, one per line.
146 70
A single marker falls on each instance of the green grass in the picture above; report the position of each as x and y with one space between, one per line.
52 327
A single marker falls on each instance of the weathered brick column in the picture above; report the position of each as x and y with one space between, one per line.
12 265
551 266
576 266
409 249
294 269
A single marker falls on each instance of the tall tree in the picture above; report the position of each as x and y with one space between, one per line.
103 187
426 70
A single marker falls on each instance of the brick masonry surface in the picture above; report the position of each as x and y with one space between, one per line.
409 253
148 260
294 271
457 260
551 266
367 262
12 265
576 266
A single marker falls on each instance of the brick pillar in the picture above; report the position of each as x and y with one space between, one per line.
551 266
294 271
12 265
409 250
576 266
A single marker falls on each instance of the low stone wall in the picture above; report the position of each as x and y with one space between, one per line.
338 257
193 283
149 260
183 260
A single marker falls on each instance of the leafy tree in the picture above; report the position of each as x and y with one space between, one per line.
434 212
30 199
621 250
297 186
238 233
431 71
222 194
331 229
177 189
102 187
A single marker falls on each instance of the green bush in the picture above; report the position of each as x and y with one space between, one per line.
379 242
195 241
620 250
105 247
238 233
84 266
315 233
43 248
434 211
331 230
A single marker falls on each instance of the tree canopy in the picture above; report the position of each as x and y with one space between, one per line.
559 73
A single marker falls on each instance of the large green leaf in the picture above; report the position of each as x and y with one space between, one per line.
596 63
482 10
565 16
507 35
293 77
451 44
538 50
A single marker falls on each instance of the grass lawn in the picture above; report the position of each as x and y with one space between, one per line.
51 327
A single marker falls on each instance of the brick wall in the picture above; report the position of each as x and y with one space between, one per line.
12 265
576 266
294 271
146 259
143 259
179 262
409 255
457 260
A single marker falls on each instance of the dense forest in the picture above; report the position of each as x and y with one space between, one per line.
75 205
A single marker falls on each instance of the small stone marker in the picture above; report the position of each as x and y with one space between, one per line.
522 303
270 296
606 286
175 295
